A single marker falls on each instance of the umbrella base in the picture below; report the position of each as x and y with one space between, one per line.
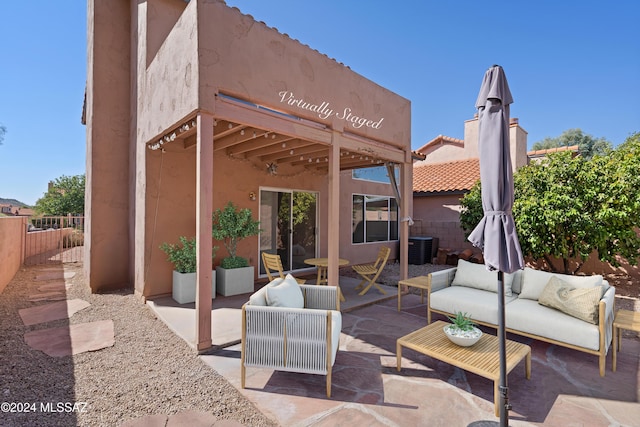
484 423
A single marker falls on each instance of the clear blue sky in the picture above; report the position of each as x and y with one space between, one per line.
570 64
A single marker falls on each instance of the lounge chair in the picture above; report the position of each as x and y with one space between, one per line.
303 338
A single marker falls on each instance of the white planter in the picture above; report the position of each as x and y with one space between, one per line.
184 287
462 338
235 281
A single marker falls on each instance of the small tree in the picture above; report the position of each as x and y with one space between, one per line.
569 207
65 196
231 225
183 256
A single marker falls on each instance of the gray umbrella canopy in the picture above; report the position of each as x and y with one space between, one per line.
495 234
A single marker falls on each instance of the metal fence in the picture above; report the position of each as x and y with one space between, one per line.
54 239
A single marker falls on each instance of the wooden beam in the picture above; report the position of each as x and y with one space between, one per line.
372 149
305 129
254 143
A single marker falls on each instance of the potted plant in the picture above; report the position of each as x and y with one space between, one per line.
183 258
230 225
462 330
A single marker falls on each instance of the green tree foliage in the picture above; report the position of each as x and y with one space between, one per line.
231 225
568 207
183 256
65 196
589 146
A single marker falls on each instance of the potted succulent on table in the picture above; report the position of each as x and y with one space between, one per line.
183 258
462 330
230 225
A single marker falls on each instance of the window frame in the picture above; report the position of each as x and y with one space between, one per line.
392 209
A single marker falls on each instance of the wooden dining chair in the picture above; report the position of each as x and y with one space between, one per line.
371 272
273 263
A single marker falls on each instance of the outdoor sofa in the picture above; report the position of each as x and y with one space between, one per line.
291 327
529 297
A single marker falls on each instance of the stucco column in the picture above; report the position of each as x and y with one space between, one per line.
204 210
333 228
406 191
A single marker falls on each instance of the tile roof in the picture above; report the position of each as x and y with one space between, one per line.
454 176
539 153
441 140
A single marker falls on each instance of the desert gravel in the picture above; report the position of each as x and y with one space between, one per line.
148 371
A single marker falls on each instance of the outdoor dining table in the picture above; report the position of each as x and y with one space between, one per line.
323 265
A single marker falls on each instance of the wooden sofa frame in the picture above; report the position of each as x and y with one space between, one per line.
604 325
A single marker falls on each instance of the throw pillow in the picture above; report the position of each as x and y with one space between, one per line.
477 276
581 303
534 282
286 294
259 297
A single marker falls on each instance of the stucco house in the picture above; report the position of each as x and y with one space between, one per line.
191 104
451 167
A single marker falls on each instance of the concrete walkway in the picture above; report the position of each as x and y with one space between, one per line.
565 388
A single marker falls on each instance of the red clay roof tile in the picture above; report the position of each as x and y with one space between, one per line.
460 175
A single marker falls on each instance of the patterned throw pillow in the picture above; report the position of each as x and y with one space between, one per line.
581 303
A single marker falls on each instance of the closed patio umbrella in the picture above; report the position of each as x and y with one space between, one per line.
495 234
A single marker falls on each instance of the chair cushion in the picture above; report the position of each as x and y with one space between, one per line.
478 277
259 297
286 294
534 282
579 303
336 328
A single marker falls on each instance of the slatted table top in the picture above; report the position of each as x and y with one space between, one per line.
482 358
626 319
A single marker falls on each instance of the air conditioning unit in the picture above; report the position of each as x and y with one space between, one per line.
422 250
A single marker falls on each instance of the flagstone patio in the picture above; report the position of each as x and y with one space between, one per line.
565 386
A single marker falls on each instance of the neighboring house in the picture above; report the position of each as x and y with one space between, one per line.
450 169
539 155
193 104
16 210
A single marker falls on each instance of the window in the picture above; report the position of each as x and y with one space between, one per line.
375 173
375 218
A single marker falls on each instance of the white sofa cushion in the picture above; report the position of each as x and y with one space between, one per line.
286 294
534 282
525 315
481 305
259 297
579 303
477 276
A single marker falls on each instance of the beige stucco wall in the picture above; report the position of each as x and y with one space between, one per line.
439 216
168 91
450 151
12 241
106 261
251 61
234 179
154 64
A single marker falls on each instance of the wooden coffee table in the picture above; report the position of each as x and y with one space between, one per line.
482 358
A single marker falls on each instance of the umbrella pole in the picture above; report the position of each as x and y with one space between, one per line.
502 342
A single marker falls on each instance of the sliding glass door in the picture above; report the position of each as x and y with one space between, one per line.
288 220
